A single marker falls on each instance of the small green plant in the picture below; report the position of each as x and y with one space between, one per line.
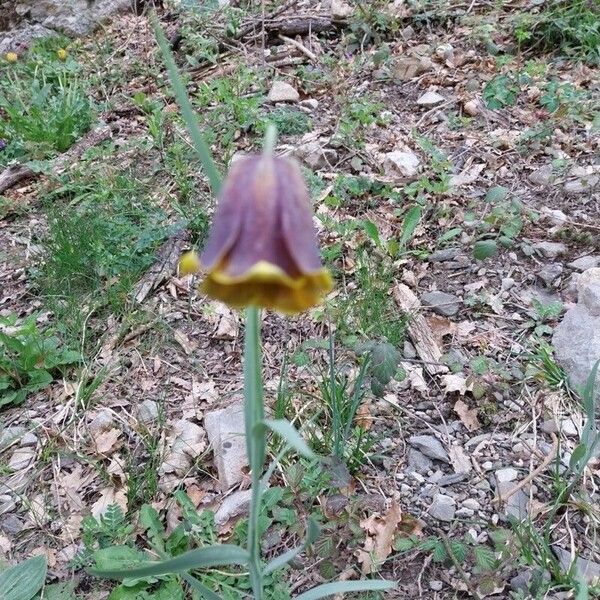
43 116
570 26
501 91
371 24
289 121
355 115
29 359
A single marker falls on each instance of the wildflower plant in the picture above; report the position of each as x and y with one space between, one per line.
262 253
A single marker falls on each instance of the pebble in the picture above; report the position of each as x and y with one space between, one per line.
283 92
550 272
487 465
430 99
441 303
443 508
404 162
465 513
417 461
472 108
430 446
582 185
550 249
147 412
585 262
436 585
471 503
542 176
444 255
566 426
310 103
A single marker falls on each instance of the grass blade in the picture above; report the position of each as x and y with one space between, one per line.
343 587
187 111
200 587
289 433
210 556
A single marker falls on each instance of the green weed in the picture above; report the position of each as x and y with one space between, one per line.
29 359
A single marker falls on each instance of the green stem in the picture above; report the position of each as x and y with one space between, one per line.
270 139
255 439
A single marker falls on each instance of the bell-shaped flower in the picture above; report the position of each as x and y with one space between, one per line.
262 248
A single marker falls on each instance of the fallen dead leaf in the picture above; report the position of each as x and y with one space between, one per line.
468 416
459 459
454 382
440 327
106 441
364 418
182 339
108 496
380 532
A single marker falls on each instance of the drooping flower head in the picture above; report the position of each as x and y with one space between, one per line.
62 54
262 249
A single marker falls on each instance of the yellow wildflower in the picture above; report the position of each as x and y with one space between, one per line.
11 57
62 54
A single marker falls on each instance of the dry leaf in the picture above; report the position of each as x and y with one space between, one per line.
5 545
183 340
440 326
455 382
364 418
459 459
105 441
468 416
468 175
187 441
108 496
380 532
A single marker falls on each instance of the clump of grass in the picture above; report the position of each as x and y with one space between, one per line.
44 105
570 26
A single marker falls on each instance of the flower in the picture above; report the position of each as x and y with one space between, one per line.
262 248
11 57
62 54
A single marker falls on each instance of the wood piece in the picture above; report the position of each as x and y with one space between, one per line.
299 46
13 175
17 173
167 258
419 331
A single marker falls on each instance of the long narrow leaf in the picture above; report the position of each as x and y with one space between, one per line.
187 111
343 587
289 433
200 587
311 535
210 556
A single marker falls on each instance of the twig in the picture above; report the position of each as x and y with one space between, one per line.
551 456
298 45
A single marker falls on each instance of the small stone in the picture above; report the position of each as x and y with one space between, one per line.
310 103
507 283
488 465
584 263
550 249
430 99
588 287
340 10
443 508
555 216
582 185
405 162
585 569
225 430
522 581
472 108
444 255
407 33
471 503
283 92
417 461
11 434
147 412
436 585
21 458
550 272
506 474
542 176
233 506
465 513
314 155
517 505
409 350
441 303
29 439
11 524
430 446
451 479
566 426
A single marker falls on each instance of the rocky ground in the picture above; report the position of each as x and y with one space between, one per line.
478 215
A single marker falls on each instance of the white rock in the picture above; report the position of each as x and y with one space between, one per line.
283 92
471 503
147 412
550 249
443 508
542 176
430 446
340 9
506 474
225 430
430 99
403 162
310 103
472 108
315 155
588 286
21 458
584 263
555 216
233 506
